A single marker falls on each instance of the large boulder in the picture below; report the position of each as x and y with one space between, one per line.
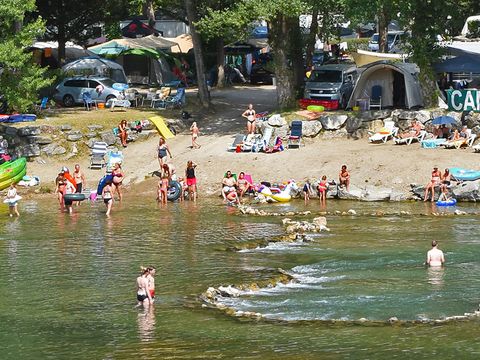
311 128
65 127
467 191
28 150
53 149
281 131
333 122
29 131
38 139
74 136
108 137
368 193
276 121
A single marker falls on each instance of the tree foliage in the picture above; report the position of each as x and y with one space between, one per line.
20 78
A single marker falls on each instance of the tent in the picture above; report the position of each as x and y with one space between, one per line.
117 46
399 82
137 29
183 43
45 53
94 65
467 63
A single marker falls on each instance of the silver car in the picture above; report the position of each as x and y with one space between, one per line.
70 91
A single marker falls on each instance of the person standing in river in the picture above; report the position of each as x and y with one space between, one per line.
80 181
151 282
435 257
143 295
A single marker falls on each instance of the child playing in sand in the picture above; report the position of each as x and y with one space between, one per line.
12 200
195 132
163 189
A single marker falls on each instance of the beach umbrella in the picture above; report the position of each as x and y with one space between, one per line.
444 120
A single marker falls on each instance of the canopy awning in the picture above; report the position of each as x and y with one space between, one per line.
117 46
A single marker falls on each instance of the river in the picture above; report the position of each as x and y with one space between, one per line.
67 283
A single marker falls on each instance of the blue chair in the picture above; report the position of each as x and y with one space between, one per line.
295 137
176 101
376 98
88 102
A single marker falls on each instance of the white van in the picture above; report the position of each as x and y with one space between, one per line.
394 38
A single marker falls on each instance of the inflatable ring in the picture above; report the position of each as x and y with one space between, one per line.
315 108
74 197
174 191
450 202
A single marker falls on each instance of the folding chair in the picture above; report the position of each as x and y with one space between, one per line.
88 102
376 98
97 160
295 137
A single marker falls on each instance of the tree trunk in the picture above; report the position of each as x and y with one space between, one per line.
296 55
278 36
383 21
312 37
149 12
198 52
61 39
220 63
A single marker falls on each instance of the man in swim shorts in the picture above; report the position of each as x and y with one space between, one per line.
79 178
228 184
435 257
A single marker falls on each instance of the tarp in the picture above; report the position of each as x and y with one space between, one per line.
137 29
184 43
117 46
399 82
467 63
94 65
46 52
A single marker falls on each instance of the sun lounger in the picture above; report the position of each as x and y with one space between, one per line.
457 144
407 141
384 134
295 137
237 142
264 142
97 160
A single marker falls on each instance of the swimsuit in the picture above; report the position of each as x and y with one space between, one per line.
79 188
191 180
107 198
322 187
162 151
250 117
141 296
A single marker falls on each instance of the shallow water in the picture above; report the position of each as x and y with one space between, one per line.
67 283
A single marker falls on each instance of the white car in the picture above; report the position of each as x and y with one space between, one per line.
70 91
394 38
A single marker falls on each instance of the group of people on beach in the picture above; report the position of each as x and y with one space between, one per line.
168 173
234 189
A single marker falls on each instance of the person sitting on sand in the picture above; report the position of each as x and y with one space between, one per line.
344 177
228 184
414 130
435 257
434 181
243 184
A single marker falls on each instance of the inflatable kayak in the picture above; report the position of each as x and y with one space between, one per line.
450 202
17 118
11 170
103 181
464 174
74 197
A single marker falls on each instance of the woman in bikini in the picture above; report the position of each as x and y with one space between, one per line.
60 183
162 151
249 114
446 181
243 184
118 177
107 195
122 132
322 190
195 132
143 295
434 181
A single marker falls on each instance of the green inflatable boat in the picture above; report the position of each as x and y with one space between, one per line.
11 172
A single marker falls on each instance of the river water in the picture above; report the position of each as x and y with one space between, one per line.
67 283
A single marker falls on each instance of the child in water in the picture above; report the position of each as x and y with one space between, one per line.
195 132
107 194
12 200
162 189
307 191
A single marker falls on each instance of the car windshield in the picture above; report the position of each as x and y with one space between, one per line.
374 38
330 76
108 82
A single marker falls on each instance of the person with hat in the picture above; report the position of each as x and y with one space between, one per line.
435 257
434 181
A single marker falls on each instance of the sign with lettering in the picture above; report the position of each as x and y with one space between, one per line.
463 100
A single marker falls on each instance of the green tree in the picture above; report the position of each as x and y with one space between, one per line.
20 78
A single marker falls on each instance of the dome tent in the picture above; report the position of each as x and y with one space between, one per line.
94 65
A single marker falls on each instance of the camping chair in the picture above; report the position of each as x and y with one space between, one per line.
88 102
420 137
177 101
160 96
376 97
295 137
150 96
42 105
237 141
132 96
389 130
97 160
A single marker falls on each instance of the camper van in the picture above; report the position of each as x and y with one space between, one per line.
394 39
331 83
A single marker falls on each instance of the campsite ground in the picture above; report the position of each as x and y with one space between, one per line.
374 164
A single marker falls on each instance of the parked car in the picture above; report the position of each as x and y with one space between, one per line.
394 39
334 82
260 75
69 91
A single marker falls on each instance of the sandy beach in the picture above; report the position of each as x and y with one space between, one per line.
385 165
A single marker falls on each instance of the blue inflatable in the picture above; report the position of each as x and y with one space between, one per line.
120 86
464 174
450 202
103 182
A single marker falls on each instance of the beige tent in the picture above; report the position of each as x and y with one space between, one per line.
183 43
